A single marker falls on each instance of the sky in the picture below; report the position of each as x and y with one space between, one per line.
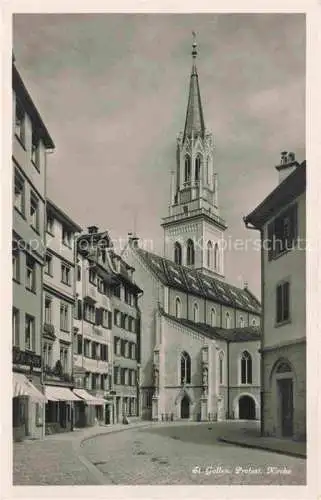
112 90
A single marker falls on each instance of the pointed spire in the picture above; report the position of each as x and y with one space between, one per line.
194 123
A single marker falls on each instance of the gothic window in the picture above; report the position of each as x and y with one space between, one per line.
241 322
209 254
190 253
195 313
221 366
228 320
213 317
185 368
208 170
246 368
178 253
197 168
187 168
177 308
216 256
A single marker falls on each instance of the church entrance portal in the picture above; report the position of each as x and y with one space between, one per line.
246 408
185 407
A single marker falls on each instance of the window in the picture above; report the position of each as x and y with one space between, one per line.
187 168
246 368
190 253
282 232
148 398
209 254
89 313
185 368
92 277
19 192
66 237
104 352
87 348
35 151
117 317
15 327
50 224
78 272
116 374
47 354
30 333
283 302
197 168
94 350
177 253
15 263
117 291
48 264
48 310
177 308
195 313
20 120
64 317
30 273
254 322
216 257
221 366
133 351
103 382
79 344
65 274
227 320
34 211
106 319
213 317
241 322
208 170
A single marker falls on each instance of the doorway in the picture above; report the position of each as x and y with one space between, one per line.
246 408
285 387
185 407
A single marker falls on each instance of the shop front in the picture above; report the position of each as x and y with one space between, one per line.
59 409
89 410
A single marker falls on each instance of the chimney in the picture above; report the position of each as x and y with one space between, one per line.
92 229
287 165
245 285
133 240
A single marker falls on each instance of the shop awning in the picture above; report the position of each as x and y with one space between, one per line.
23 387
88 398
57 393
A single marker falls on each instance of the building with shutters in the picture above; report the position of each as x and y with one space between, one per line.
105 315
200 336
57 329
30 143
281 220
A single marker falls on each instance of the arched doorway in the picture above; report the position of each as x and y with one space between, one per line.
185 407
284 379
246 408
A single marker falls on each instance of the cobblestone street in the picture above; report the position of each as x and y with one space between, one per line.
188 454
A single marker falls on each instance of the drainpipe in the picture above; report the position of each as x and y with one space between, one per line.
262 322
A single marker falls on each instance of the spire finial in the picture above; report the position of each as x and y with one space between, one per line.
194 51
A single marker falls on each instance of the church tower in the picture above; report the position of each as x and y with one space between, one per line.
193 230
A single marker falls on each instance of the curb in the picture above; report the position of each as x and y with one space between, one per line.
262 447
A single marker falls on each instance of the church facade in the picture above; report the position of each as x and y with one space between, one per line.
200 336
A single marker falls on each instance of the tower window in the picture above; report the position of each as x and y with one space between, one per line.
185 368
177 308
187 168
246 368
190 253
241 322
228 320
209 254
213 317
178 253
197 168
216 257
195 313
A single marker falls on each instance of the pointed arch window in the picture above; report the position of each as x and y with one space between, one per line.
246 368
209 254
177 308
187 168
185 368
197 168
208 180
241 322
190 260
195 313
213 317
178 253
221 367
216 256
227 320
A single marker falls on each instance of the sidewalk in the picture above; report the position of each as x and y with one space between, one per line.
251 438
57 459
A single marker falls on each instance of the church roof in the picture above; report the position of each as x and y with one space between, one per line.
197 283
246 334
194 122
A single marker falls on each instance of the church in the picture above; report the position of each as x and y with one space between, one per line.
200 336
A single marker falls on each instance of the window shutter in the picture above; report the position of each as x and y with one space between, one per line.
279 303
286 301
79 309
115 345
115 316
122 321
110 318
99 315
122 347
106 352
270 234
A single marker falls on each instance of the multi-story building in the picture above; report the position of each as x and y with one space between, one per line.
281 220
31 141
58 306
93 330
